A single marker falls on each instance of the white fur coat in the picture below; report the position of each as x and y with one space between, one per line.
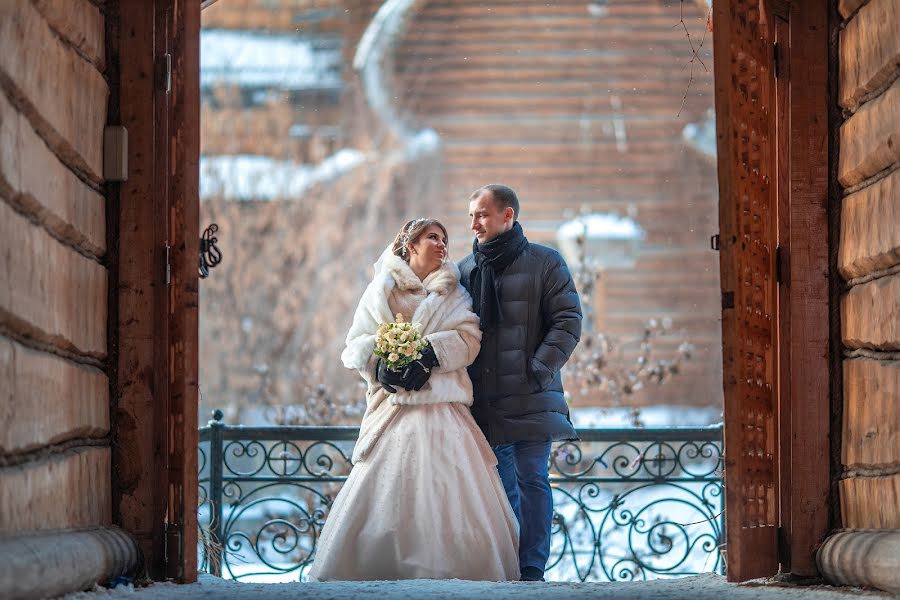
448 323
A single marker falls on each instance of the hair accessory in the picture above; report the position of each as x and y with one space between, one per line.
404 238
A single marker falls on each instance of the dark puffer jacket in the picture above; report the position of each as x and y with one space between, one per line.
518 388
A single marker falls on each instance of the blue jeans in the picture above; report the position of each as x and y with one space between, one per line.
523 468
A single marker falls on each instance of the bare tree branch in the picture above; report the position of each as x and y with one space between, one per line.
695 51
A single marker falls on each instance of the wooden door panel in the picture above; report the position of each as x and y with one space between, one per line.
180 130
745 128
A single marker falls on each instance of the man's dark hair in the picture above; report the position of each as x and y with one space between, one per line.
503 196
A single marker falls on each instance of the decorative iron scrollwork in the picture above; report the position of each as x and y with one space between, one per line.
628 504
210 255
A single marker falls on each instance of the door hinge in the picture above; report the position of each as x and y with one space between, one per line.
781 267
168 264
173 549
165 73
776 59
714 242
784 546
727 300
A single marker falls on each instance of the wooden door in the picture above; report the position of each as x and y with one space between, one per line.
745 111
162 116
178 125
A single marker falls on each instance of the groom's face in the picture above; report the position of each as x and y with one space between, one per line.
489 219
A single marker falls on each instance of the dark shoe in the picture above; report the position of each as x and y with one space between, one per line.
532 574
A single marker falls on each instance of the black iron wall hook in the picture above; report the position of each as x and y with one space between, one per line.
210 255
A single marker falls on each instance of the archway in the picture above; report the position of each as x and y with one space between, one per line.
801 515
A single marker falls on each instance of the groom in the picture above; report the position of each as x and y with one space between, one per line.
531 321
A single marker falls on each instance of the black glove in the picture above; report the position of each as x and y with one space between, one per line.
417 373
387 378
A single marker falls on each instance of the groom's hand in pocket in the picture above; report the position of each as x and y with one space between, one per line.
542 375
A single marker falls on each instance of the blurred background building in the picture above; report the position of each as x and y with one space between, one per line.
582 106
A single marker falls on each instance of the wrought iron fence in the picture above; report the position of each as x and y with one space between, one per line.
629 503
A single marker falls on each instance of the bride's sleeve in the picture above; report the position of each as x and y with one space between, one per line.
457 344
360 345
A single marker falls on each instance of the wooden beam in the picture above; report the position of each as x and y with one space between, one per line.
871 502
68 490
870 52
808 339
52 294
848 7
80 23
63 96
36 183
48 399
870 315
139 504
870 228
870 139
184 212
871 424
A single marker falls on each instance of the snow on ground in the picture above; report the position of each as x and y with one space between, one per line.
701 587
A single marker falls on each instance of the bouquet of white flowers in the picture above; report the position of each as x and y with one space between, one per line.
399 343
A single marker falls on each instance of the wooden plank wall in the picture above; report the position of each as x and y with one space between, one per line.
54 391
869 261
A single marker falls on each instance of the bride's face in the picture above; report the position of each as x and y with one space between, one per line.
428 252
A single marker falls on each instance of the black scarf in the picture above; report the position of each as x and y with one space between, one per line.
491 259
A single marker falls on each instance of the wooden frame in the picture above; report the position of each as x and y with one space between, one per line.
138 502
155 399
155 418
184 233
805 449
783 132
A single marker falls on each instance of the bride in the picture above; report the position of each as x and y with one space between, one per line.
424 499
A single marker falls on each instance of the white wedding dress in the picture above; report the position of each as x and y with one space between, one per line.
424 499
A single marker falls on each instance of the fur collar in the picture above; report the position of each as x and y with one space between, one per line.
442 281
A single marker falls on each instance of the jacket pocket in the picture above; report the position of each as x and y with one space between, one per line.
539 376
531 378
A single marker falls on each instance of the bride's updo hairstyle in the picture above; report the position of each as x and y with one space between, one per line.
410 234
